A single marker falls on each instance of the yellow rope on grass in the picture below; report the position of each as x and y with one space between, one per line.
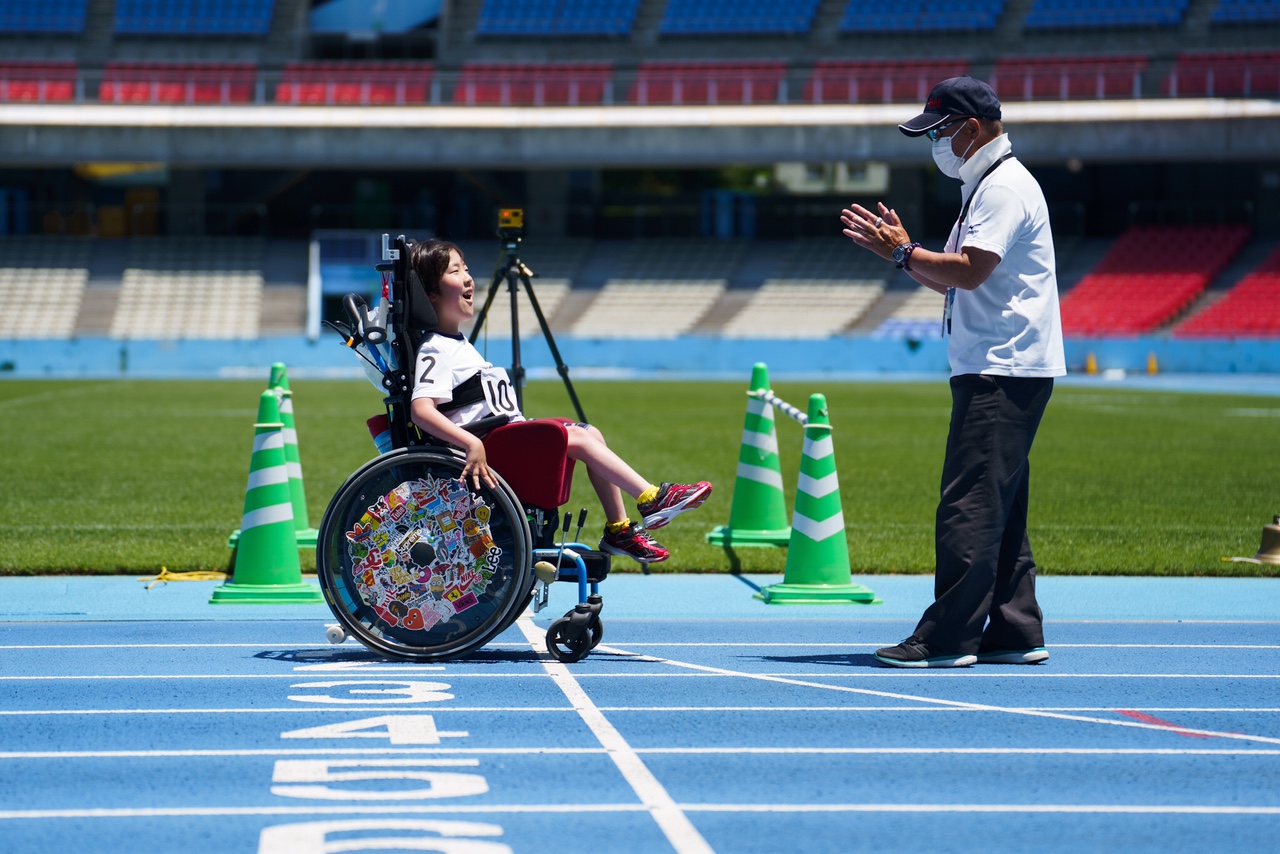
166 576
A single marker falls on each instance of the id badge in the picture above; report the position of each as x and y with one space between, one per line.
948 302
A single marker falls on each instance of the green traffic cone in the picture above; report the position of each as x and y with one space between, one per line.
818 555
305 534
758 514
267 568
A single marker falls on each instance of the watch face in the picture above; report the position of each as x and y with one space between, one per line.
899 252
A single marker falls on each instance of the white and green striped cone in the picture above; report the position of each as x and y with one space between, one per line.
305 534
758 514
818 555
267 569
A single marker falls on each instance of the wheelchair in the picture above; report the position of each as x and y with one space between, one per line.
414 562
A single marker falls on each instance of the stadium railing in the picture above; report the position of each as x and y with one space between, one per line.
38 82
709 83
869 81
356 83
1069 77
535 84
166 83
1237 73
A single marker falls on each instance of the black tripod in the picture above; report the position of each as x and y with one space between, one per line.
514 272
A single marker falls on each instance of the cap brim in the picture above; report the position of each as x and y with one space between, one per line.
924 123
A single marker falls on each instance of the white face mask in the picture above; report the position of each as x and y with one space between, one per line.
948 163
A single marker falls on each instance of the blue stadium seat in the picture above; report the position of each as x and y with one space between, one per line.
1246 12
556 17
42 16
194 17
728 17
921 16
1086 14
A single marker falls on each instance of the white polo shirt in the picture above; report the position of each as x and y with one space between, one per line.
1009 325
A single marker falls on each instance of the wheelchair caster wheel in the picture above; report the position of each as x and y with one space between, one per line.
563 646
335 634
596 630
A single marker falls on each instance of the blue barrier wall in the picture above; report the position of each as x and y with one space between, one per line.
691 356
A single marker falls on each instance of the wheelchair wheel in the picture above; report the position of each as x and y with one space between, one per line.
417 565
564 645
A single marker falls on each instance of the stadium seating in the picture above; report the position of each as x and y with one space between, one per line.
37 82
1068 77
194 17
533 84
365 83
648 308
803 308
190 288
43 16
1251 308
1246 12
1095 14
42 281
556 17
168 83
921 15
1150 275
723 17
919 316
1240 73
708 82
872 81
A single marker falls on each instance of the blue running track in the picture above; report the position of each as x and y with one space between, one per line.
149 721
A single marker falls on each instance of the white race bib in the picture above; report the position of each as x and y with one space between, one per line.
499 393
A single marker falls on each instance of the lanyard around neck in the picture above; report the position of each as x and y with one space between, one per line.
964 211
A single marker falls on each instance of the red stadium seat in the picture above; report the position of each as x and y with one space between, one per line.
1062 78
176 83
1239 73
357 83
1149 276
37 82
858 81
534 84
708 82
1251 308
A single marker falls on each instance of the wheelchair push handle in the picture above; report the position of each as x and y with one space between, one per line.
358 313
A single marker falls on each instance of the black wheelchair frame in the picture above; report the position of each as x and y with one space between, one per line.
416 564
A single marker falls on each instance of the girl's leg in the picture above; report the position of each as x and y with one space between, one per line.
609 473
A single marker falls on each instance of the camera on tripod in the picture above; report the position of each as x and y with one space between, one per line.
510 223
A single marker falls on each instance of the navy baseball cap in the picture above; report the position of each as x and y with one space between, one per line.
954 98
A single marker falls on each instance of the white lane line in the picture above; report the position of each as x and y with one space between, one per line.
654 751
185 812
658 709
940 702
711 672
1079 809
1105 809
675 825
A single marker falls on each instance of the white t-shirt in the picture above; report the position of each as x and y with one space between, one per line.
1009 325
445 362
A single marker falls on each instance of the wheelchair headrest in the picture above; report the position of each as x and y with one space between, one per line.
422 314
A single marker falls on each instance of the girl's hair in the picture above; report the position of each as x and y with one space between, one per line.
430 260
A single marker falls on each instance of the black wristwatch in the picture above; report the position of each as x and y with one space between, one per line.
902 255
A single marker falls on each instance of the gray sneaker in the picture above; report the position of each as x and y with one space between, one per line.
912 652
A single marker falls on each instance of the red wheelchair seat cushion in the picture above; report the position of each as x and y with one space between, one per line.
531 457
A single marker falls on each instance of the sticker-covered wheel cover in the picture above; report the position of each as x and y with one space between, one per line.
424 557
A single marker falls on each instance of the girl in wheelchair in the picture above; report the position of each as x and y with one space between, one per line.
455 385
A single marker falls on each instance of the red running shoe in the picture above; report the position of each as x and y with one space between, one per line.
672 500
634 542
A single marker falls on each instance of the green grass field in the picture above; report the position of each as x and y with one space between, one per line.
129 476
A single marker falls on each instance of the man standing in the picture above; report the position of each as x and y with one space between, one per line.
998 275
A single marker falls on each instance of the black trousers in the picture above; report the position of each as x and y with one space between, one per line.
985 582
